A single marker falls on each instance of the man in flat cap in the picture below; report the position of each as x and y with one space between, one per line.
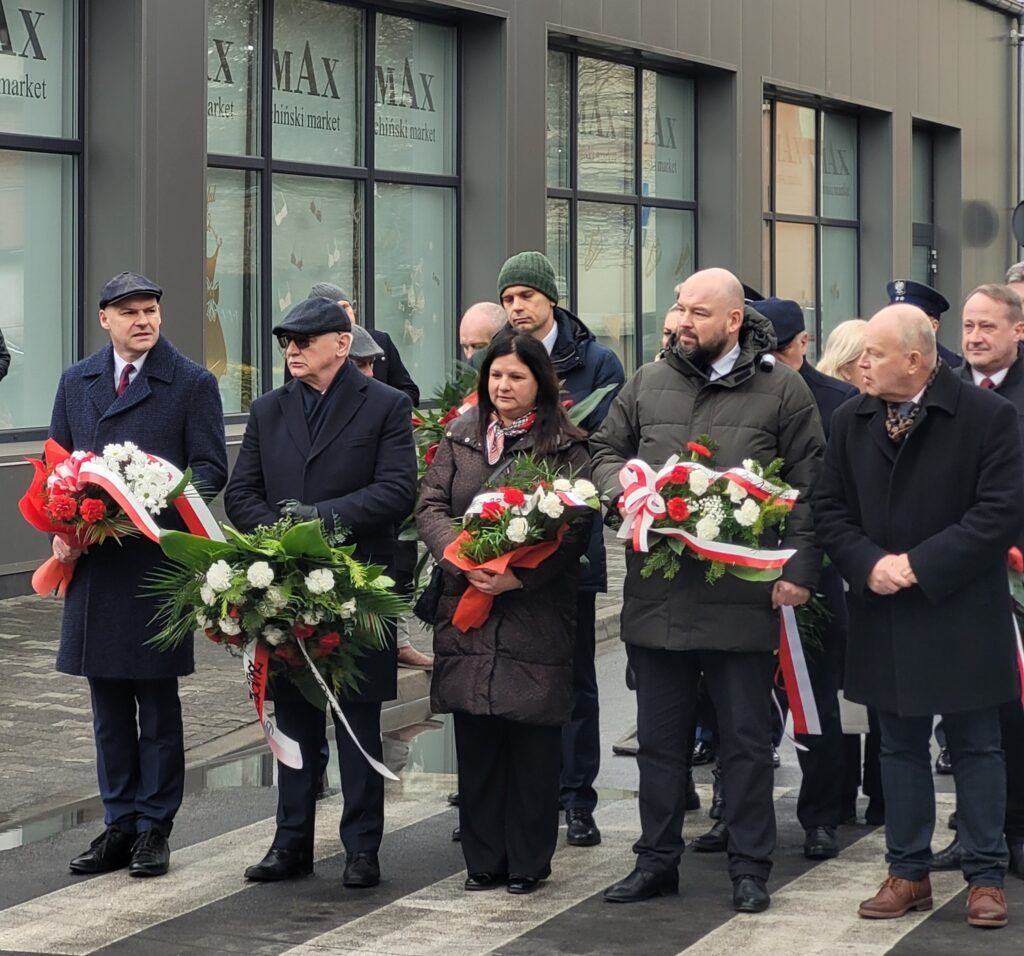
141 389
930 301
335 445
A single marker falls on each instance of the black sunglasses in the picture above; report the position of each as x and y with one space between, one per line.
301 341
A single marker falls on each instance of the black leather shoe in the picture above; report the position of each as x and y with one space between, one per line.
151 856
951 822
643 885
582 831
453 799
749 895
776 759
950 858
692 797
483 881
717 800
716 840
111 850
521 885
820 843
361 870
279 864
1016 857
875 813
943 763
457 835
702 754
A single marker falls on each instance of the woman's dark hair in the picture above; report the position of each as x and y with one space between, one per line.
552 422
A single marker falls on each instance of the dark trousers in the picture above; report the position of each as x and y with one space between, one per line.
666 694
508 784
362 788
1011 724
581 736
871 781
980 774
140 751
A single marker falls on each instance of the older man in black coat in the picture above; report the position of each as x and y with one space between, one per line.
930 621
336 445
139 388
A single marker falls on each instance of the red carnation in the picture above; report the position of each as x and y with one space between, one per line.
1016 560
513 496
290 655
62 507
698 449
678 510
567 403
416 421
327 644
302 631
492 511
679 475
449 416
213 634
235 640
92 510
430 453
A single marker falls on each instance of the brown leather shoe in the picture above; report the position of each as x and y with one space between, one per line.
986 907
895 897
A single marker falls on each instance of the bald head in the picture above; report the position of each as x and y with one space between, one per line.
480 323
899 353
710 306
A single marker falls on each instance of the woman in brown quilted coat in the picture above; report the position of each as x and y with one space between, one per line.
508 683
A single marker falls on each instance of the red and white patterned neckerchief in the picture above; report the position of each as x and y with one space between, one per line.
497 433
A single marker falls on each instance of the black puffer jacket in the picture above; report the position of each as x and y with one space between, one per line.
752 412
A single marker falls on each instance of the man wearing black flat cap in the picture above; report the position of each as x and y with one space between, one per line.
336 445
930 301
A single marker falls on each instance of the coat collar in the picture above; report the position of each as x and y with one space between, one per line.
1014 374
346 398
99 367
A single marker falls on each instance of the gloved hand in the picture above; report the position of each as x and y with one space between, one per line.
290 508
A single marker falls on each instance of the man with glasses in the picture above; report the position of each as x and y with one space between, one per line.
335 445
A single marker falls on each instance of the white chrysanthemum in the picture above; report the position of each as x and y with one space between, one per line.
698 482
260 575
551 505
312 618
585 489
707 529
276 597
320 581
750 464
348 609
202 620
207 594
274 635
736 492
562 484
747 514
219 577
517 530
228 625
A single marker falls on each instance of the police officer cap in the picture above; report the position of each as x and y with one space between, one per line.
126 284
785 315
363 347
314 317
927 299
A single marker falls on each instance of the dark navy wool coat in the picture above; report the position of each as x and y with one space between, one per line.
359 472
173 410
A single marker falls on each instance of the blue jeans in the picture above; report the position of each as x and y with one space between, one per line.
979 770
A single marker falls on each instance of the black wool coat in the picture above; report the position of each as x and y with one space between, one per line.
952 497
360 473
171 409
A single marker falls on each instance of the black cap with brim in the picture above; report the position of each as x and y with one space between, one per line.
314 317
126 284
785 315
928 300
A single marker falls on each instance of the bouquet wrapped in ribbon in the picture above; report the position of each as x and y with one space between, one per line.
451 399
88 498
714 516
288 601
1015 563
517 525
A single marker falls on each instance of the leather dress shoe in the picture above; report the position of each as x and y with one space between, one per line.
951 822
361 870
453 798
776 759
643 885
626 746
895 897
692 797
151 856
875 813
717 800
521 885
279 864
483 881
702 753
581 829
716 840
820 843
111 850
749 895
986 907
457 835
1016 857
943 763
950 858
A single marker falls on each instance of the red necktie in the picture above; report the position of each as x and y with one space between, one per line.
986 382
126 373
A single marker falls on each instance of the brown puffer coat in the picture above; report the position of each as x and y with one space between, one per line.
519 664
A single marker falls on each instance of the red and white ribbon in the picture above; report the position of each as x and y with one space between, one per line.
256 661
641 503
796 677
737 555
1020 657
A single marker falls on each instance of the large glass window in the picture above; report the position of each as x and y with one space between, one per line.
621 195
40 171
811 197
300 191
924 260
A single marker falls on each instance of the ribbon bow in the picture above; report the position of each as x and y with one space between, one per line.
642 505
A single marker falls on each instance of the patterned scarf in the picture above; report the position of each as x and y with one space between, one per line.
497 433
900 416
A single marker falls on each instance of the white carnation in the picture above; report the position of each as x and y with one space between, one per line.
707 529
698 482
736 492
348 609
585 489
562 484
219 577
517 530
320 581
228 625
551 505
275 597
749 464
274 635
260 575
202 620
312 618
207 594
748 513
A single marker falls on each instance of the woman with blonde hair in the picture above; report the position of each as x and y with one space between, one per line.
842 349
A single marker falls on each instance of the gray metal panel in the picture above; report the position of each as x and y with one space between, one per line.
813 33
621 20
838 39
693 29
928 64
658 23
726 32
578 14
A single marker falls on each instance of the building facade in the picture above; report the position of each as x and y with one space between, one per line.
238 151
